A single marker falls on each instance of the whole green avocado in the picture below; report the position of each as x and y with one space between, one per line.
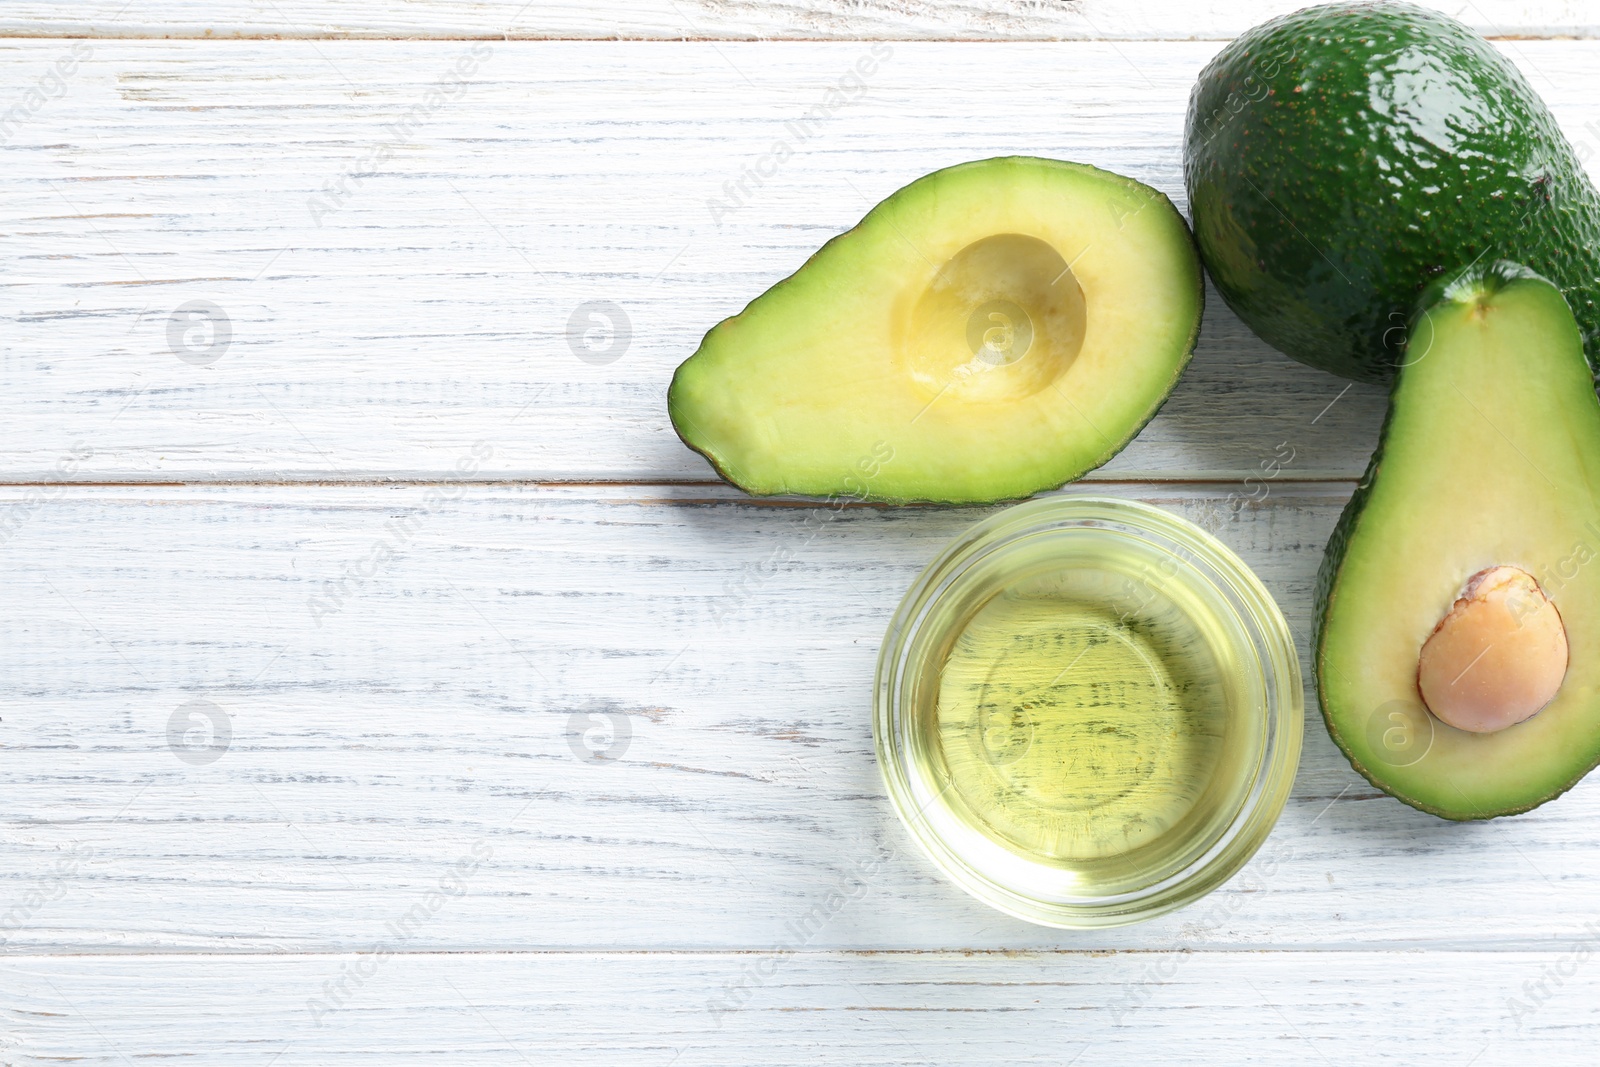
1340 158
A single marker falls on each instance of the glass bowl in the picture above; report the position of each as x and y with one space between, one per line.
1088 711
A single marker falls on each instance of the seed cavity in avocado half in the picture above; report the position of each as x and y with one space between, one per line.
1497 657
991 330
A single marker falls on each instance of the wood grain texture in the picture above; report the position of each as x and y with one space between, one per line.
1017 20
406 681
254 732
384 317
1441 1008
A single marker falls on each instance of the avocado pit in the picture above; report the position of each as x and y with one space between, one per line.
1497 657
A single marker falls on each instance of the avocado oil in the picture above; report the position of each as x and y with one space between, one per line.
1091 715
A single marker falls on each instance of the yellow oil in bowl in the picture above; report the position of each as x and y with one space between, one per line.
1089 711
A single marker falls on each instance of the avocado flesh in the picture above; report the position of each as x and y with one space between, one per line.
991 330
1340 158
1490 456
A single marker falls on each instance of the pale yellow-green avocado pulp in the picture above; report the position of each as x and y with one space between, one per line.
1490 457
989 331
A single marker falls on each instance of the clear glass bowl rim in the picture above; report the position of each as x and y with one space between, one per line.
1273 653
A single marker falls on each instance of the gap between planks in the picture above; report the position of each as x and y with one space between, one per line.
1214 951
534 482
151 34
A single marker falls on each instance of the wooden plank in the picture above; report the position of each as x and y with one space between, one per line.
382 331
1448 1008
414 676
676 19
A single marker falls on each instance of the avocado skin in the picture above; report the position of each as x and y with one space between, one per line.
886 209
1341 157
1485 278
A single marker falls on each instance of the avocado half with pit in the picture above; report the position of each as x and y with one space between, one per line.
1458 652
989 331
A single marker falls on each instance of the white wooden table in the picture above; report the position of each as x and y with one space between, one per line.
383 681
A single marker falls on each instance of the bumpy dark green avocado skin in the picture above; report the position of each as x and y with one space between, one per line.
1341 157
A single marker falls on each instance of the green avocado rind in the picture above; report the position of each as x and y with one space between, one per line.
862 490
1340 158
1486 279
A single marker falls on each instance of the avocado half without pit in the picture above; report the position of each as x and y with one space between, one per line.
989 331
1460 600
